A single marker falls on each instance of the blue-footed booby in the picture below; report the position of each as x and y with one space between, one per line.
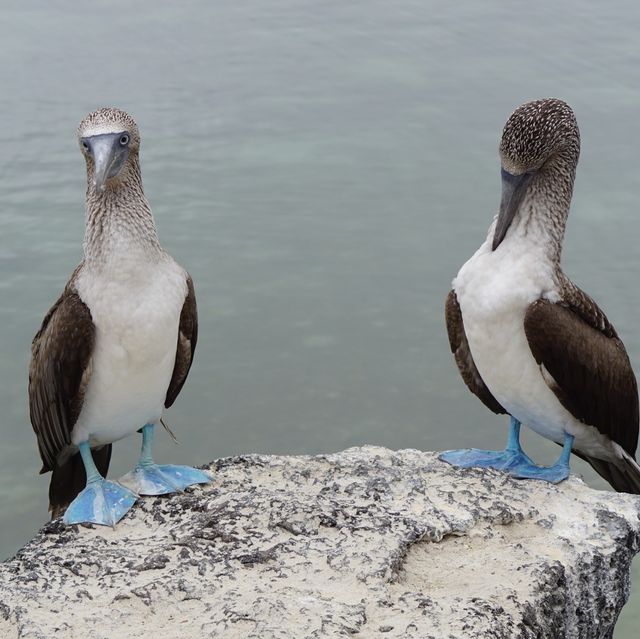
115 349
527 341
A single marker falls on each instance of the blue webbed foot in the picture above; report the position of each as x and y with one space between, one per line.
513 455
149 478
477 458
101 502
161 479
513 459
553 474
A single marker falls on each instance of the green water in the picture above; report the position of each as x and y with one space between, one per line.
322 169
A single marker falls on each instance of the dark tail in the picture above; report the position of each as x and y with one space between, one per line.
624 476
69 478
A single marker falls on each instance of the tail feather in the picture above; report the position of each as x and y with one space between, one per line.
69 478
624 476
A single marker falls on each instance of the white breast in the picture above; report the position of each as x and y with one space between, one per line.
135 307
494 290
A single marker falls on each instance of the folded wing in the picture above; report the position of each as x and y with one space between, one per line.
587 367
187 338
462 354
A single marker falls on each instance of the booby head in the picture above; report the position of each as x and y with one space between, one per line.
109 140
535 135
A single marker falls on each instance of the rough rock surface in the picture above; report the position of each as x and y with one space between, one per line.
367 542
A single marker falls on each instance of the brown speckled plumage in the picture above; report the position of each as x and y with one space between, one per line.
123 203
120 121
543 136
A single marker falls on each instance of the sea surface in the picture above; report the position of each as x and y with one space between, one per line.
322 169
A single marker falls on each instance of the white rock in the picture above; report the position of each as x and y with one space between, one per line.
367 542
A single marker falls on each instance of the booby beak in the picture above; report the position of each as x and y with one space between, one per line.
109 155
514 188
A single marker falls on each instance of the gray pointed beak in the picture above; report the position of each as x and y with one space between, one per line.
108 155
514 188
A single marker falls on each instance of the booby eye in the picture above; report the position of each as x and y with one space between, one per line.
85 146
124 139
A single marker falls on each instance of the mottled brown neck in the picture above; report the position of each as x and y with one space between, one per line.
546 207
119 221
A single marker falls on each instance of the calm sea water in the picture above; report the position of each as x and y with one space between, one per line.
322 169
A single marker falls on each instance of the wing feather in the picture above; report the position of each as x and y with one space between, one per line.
462 354
187 338
59 372
586 365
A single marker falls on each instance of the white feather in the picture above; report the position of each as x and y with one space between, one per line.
494 290
135 304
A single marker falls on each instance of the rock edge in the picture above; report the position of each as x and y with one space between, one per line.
367 542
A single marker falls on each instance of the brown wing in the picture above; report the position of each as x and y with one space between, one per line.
586 365
187 338
58 374
462 353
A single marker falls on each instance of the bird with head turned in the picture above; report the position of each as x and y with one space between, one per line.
527 341
115 349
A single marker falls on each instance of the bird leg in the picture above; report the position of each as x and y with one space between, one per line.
553 474
512 459
101 501
512 456
149 478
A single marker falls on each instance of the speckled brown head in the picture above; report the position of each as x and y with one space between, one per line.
109 140
538 136
537 131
